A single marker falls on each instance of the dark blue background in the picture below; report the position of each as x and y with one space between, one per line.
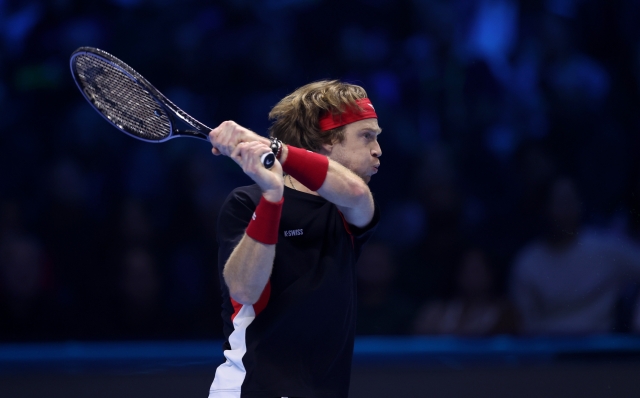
483 104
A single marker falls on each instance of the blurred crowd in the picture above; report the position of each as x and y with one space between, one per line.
509 186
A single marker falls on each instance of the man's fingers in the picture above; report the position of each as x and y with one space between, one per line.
228 135
219 138
236 154
248 154
213 139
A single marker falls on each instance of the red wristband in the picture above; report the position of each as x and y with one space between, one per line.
265 222
308 167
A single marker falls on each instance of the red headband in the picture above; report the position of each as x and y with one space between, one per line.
353 114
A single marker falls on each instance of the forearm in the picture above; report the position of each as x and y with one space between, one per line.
248 269
341 186
344 188
332 181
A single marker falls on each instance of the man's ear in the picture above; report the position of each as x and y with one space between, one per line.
327 148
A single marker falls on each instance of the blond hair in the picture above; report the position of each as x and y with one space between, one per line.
296 117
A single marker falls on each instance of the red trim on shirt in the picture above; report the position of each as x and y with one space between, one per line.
236 308
261 304
346 226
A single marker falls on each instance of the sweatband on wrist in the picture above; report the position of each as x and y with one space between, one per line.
308 167
265 222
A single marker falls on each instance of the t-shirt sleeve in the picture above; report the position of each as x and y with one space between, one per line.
235 215
362 235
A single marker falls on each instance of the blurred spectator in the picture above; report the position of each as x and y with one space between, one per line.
382 307
11 219
570 279
476 309
135 226
427 268
69 233
139 296
27 306
632 206
191 282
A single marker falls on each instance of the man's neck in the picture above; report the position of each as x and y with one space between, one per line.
297 185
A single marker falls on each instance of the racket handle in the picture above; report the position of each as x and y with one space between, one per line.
268 160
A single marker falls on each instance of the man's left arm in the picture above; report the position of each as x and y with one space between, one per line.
338 185
349 193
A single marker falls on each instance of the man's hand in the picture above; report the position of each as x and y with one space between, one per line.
247 155
226 137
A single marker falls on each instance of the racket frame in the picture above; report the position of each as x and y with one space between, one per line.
172 110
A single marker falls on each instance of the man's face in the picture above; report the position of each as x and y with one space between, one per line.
359 151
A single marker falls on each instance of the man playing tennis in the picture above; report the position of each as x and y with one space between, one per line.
288 245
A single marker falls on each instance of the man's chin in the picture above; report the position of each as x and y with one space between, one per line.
366 178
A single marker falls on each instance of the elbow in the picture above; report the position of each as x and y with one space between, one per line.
360 194
238 287
243 296
242 293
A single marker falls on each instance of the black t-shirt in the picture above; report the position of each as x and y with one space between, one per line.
300 343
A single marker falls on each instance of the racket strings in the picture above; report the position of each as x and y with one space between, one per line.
121 99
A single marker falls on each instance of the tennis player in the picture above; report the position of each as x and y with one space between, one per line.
288 244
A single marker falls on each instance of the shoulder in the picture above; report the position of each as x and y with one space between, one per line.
236 212
247 195
601 238
609 244
240 202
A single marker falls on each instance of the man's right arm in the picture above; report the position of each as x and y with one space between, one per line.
248 268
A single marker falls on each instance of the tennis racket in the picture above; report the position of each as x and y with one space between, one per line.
130 103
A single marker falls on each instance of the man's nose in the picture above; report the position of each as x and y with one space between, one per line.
376 151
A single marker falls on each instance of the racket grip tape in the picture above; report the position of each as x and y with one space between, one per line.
268 160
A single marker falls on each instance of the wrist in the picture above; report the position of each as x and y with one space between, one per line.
308 167
284 152
273 195
265 221
276 147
